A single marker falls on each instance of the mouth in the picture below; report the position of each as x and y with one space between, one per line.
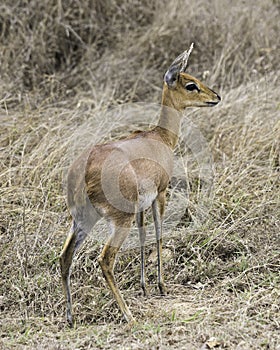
212 103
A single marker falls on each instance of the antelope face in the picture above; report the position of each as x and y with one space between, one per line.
181 90
190 92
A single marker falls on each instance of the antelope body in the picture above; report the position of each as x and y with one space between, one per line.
119 180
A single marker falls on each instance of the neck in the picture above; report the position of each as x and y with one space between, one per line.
169 121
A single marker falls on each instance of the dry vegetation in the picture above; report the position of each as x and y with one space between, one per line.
62 62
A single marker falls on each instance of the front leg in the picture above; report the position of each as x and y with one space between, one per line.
158 210
142 237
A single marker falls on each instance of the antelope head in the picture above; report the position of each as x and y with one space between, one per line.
182 90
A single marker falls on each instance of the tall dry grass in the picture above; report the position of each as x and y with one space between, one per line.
62 64
56 46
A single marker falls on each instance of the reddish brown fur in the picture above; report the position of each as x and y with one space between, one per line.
142 165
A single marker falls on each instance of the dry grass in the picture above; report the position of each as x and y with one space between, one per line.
62 64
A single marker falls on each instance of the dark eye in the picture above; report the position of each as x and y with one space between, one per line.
191 87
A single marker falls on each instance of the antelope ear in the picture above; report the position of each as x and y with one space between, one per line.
171 77
177 66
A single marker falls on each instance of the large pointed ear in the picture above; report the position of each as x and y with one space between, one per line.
177 66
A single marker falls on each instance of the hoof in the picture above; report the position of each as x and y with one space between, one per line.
130 324
70 321
129 319
70 324
145 292
162 289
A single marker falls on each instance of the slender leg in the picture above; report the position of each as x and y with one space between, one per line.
158 209
107 261
142 236
75 238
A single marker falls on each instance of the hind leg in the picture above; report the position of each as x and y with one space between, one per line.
74 239
107 260
66 258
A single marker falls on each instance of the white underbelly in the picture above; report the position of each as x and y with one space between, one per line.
145 200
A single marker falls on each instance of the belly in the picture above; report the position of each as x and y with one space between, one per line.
145 200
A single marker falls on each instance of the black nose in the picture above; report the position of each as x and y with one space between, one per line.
218 97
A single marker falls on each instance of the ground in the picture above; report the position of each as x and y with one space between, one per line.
72 74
